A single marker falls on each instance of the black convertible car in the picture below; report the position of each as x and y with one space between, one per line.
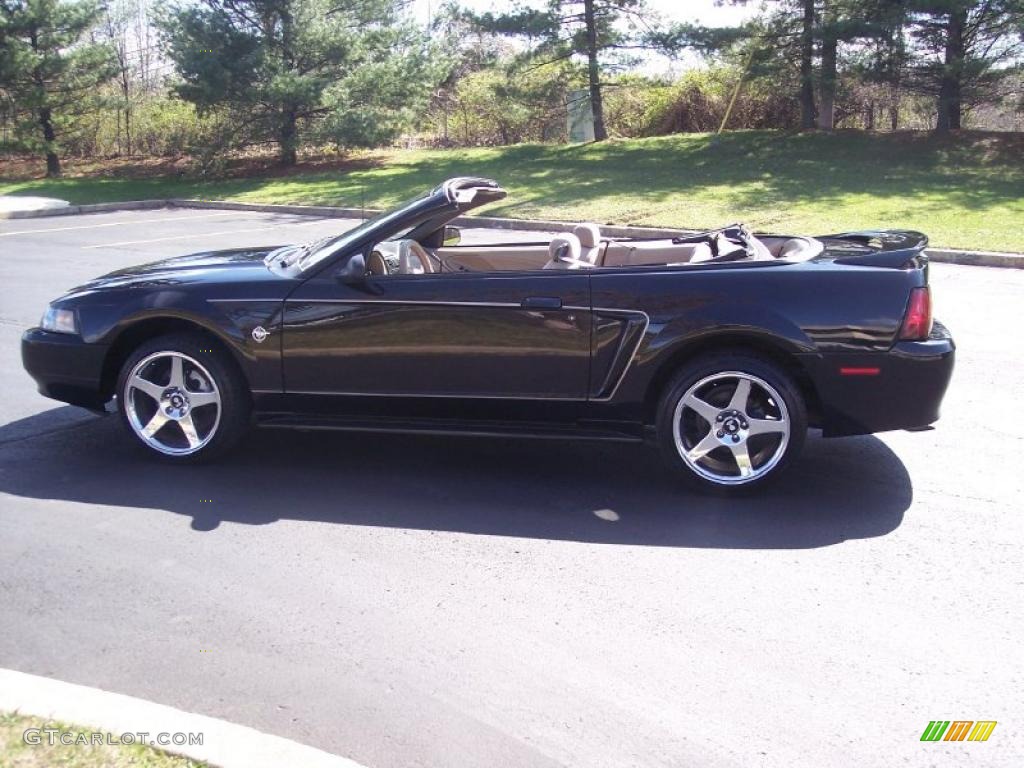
720 346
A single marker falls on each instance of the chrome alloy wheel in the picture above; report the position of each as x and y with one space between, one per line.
731 427
172 403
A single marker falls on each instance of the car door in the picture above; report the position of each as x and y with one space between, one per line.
489 335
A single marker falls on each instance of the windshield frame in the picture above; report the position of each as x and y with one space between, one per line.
429 210
306 256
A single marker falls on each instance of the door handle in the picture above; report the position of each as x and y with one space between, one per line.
541 302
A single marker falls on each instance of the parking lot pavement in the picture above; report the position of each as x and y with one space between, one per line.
414 601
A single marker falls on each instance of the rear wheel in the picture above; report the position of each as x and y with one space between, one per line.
730 422
182 399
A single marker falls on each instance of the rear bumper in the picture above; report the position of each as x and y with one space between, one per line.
65 367
903 388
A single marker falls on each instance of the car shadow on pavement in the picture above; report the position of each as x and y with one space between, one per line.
844 489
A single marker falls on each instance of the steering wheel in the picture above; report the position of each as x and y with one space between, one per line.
376 265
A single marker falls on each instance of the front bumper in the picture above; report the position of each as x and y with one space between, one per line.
905 393
65 367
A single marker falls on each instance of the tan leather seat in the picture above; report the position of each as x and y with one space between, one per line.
564 253
590 242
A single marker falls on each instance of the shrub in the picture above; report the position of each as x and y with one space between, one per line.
697 101
501 105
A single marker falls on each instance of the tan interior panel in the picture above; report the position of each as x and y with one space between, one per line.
643 252
522 258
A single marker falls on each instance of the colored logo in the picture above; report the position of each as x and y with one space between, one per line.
958 730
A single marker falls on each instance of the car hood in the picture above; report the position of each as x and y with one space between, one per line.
234 265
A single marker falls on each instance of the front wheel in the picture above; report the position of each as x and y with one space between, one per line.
182 399
731 422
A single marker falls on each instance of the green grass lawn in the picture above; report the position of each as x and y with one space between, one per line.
963 191
15 753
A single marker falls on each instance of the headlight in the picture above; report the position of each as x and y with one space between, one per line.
59 321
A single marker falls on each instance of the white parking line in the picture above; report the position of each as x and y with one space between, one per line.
177 237
114 224
206 234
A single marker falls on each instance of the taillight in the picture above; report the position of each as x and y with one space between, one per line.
917 323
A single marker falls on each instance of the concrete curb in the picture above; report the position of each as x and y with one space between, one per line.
941 255
224 744
30 202
327 211
72 210
977 258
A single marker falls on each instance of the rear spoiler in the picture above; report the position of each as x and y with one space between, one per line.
894 249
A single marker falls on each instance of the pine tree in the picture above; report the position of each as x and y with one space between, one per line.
49 66
595 30
342 71
964 48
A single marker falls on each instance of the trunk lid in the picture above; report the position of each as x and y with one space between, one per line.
890 249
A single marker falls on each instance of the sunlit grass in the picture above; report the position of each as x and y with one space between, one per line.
18 752
965 191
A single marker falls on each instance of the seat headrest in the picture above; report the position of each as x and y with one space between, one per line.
589 235
565 247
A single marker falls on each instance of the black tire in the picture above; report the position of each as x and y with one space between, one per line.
208 373
713 380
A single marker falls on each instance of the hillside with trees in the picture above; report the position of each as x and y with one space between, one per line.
212 80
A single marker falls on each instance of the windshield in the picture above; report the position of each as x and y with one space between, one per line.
310 254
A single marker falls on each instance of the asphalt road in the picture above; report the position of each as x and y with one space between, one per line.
440 602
